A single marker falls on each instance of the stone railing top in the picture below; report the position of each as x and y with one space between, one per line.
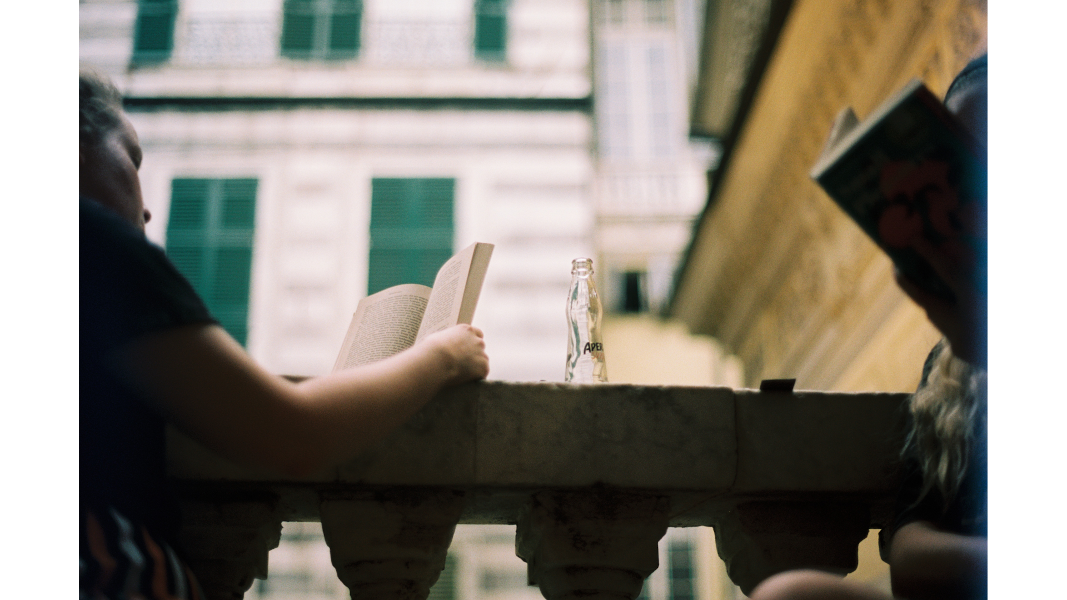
498 442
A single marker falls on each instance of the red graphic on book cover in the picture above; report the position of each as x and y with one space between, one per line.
922 198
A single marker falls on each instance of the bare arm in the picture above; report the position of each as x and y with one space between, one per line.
205 383
928 563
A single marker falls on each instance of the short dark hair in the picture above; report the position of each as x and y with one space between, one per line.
99 106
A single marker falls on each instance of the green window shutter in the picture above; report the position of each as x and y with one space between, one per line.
411 230
680 557
321 29
344 29
490 29
298 28
445 587
209 238
153 37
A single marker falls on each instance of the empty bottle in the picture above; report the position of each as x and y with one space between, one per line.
585 346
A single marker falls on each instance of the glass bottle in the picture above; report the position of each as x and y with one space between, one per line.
585 346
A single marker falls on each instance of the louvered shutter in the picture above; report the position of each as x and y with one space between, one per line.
298 28
321 29
490 29
153 37
209 238
445 587
411 230
344 29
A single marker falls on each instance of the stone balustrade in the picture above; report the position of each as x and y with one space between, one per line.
592 475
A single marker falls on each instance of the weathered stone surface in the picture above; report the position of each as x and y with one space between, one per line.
227 542
818 442
501 442
758 539
595 544
390 544
480 452
617 435
436 447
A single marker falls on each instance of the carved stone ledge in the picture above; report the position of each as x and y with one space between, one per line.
757 539
595 544
588 473
227 542
390 545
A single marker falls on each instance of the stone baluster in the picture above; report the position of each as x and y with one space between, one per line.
594 545
227 542
757 539
391 544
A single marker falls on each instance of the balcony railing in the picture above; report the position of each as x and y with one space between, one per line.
255 42
644 192
228 42
591 475
429 43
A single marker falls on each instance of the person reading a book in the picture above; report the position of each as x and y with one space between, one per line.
151 354
936 546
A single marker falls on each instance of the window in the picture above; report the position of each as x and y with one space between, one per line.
321 29
613 100
410 231
445 588
637 118
153 37
490 29
634 292
657 12
680 557
209 239
661 117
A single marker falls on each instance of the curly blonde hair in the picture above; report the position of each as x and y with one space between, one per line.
946 410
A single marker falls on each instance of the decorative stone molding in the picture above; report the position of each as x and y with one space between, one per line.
595 544
591 474
227 540
758 539
390 544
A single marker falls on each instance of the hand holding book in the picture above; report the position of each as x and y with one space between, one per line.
914 179
461 353
396 318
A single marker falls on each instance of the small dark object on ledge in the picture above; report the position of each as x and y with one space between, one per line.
777 385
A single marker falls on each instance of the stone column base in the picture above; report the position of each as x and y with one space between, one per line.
227 543
589 545
758 539
390 545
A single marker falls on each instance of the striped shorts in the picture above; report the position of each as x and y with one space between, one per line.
119 560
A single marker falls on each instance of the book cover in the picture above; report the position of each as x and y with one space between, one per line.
910 169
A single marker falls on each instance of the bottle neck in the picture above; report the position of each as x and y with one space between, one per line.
582 267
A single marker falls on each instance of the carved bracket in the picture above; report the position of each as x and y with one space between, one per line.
597 544
227 543
390 544
758 539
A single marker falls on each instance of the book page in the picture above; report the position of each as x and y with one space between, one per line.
383 325
844 123
456 289
479 266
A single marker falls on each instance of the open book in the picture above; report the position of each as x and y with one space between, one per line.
910 169
396 318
